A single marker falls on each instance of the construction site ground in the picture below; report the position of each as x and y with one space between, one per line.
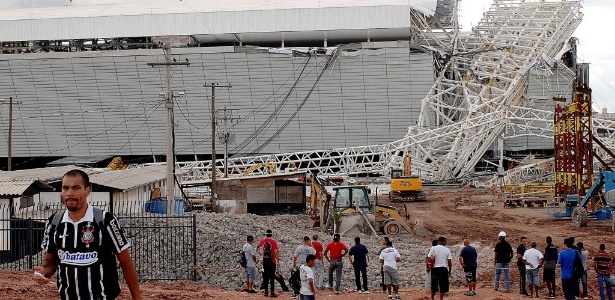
475 214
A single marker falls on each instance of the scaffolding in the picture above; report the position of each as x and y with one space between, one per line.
573 143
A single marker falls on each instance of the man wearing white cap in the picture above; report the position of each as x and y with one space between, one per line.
503 255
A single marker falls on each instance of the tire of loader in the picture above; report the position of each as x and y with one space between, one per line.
391 228
579 217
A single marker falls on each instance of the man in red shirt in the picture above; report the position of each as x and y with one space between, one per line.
269 265
334 252
318 268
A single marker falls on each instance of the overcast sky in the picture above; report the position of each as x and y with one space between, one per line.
597 45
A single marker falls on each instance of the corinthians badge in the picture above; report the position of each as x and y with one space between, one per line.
88 234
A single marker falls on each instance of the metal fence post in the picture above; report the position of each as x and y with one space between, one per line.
30 244
193 247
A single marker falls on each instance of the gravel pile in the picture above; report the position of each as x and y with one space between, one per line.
221 236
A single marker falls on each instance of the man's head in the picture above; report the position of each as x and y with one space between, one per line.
466 242
602 247
310 260
442 241
389 244
75 190
336 237
533 244
250 239
523 240
315 237
549 240
357 240
269 233
385 240
306 240
434 243
580 245
568 242
502 235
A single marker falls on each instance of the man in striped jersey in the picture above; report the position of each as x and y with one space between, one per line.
81 245
602 265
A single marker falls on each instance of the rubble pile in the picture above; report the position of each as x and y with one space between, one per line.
220 237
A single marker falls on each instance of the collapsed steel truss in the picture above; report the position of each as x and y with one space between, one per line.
478 93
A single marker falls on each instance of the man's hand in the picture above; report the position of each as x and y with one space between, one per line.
39 276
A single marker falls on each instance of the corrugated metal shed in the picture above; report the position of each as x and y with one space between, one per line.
51 174
130 178
17 187
222 20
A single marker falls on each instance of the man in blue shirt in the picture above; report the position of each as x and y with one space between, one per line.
468 260
566 263
358 258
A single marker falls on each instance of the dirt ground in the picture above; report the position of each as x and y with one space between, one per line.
464 213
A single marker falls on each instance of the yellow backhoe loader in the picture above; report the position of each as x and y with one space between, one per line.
351 208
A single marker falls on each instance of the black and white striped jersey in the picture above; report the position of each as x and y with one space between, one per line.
85 255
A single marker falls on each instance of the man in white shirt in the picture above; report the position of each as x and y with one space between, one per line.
441 269
389 257
307 278
533 260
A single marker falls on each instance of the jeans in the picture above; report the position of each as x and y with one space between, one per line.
498 269
269 276
522 275
568 288
360 273
319 273
584 284
603 281
307 297
337 266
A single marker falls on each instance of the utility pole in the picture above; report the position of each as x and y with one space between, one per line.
213 143
225 137
170 189
9 156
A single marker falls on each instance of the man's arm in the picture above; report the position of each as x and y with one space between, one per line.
461 261
450 266
294 262
326 254
47 270
130 273
311 281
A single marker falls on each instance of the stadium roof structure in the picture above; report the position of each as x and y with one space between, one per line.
239 21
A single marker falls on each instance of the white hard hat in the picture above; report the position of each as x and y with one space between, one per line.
502 233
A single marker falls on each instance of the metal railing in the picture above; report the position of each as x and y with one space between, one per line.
163 247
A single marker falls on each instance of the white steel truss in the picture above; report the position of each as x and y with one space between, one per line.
468 105
474 99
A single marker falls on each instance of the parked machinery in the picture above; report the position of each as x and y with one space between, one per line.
596 203
404 186
352 208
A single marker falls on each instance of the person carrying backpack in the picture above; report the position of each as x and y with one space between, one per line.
269 247
85 241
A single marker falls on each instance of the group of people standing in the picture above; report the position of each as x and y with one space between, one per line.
572 260
308 261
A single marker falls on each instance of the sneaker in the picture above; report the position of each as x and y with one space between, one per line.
359 292
468 293
273 295
473 293
390 297
585 298
366 292
397 297
252 291
337 292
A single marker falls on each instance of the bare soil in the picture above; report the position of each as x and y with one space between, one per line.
464 213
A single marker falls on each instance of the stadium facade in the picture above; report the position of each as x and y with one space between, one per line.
304 76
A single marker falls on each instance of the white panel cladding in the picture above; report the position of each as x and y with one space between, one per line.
299 20
110 105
